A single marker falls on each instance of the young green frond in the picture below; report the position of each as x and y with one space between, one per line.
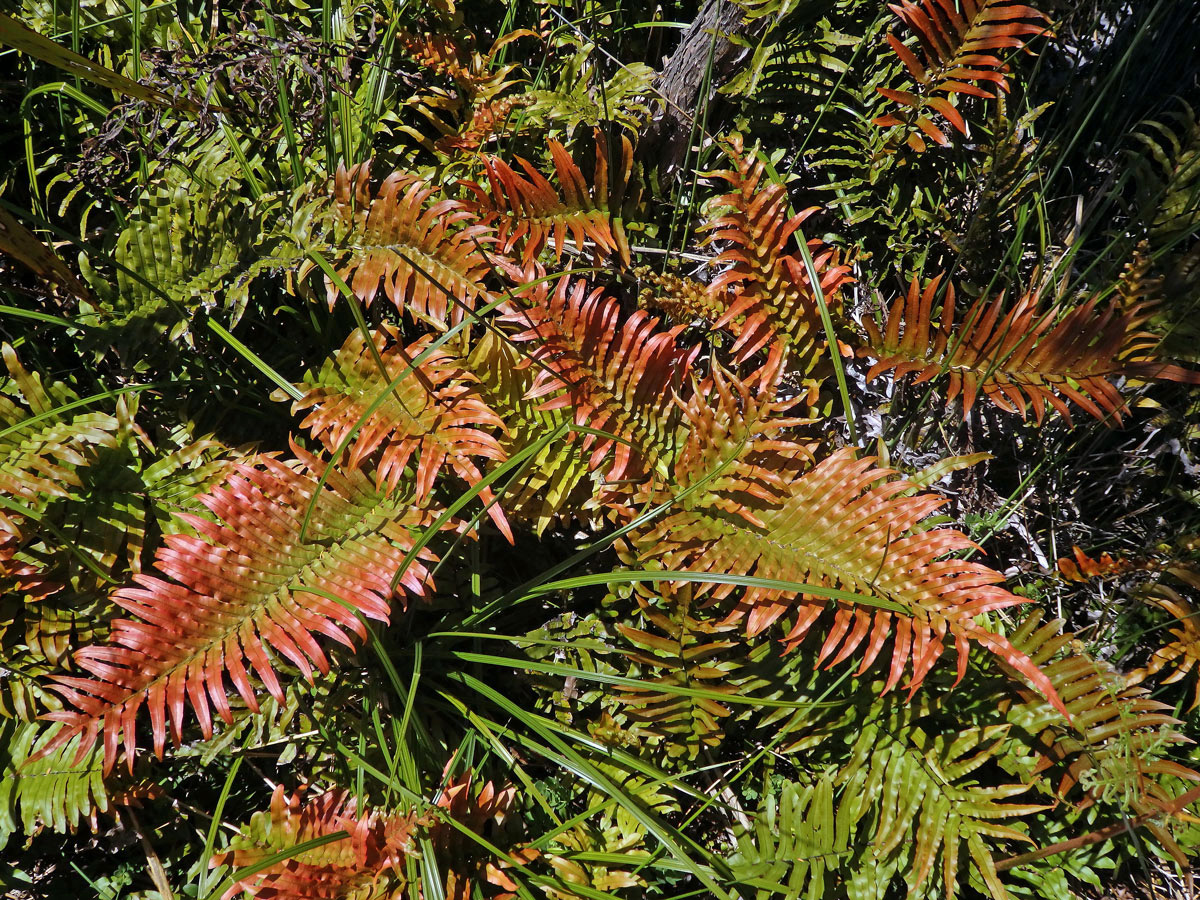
930 791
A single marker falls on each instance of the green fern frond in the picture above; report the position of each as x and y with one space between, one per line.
40 788
556 482
681 651
1169 174
932 791
582 99
188 246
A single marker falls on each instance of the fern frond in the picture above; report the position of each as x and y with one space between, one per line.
527 211
432 415
1169 174
929 790
582 98
472 72
1021 354
370 856
766 289
616 376
470 867
1114 742
556 481
427 255
46 789
263 574
57 462
191 243
487 122
793 842
844 524
681 651
1182 652
959 42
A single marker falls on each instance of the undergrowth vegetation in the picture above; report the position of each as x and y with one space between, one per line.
425 474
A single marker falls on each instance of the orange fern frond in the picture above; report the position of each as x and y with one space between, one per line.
1081 567
372 854
1020 356
766 288
1182 652
429 411
844 525
733 452
959 40
265 573
486 123
471 72
428 255
528 211
617 376
468 865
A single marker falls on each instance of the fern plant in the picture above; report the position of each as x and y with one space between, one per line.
470 513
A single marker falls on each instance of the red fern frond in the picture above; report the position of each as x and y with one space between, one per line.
959 40
373 852
528 211
766 288
428 255
468 865
433 413
1020 356
617 376
255 577
845 525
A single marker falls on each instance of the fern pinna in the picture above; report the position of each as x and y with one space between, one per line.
557 567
